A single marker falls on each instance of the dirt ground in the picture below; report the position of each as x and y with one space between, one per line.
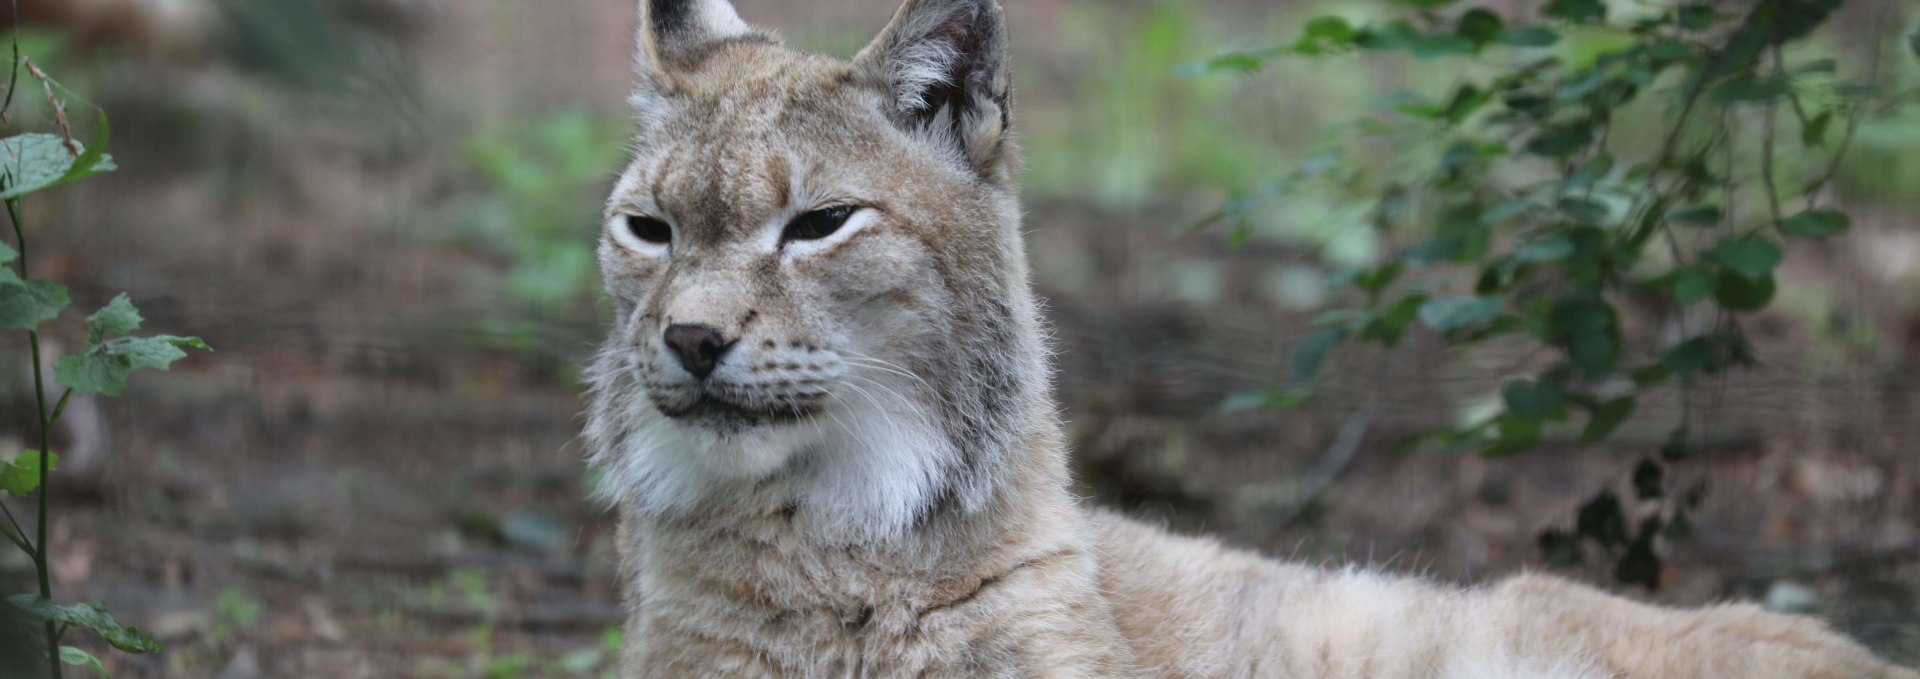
364 481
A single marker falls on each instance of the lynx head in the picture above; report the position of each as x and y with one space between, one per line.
818 274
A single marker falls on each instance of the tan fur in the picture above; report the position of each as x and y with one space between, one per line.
872 482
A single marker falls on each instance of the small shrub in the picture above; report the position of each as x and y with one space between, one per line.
29 163
1672 154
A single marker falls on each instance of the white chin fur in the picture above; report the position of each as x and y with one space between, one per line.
862 471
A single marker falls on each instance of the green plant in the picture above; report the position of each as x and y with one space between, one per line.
1584 160
233 611
539 176
541 179
29 163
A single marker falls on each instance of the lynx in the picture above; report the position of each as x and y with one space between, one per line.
824 414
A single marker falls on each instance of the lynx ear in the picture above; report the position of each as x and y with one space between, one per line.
944 63
672 30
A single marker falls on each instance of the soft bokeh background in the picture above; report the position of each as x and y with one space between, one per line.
380 213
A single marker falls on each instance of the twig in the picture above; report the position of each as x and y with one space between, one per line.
1853 115
59 107
1766 145
1332 464
46 447
18 535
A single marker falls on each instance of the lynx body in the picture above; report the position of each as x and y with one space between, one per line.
825 417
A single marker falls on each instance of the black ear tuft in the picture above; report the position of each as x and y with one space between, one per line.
671 28
669 16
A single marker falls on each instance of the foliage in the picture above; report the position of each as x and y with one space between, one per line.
234 611
542 179
29 163
92 616
1540 206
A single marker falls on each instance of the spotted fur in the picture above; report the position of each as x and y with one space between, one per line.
871 482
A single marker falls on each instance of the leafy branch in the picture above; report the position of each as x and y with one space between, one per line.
1536 225
29 163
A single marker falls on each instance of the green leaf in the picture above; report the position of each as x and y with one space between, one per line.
1748 89
1815 133
1507 210
1697 17
1560 141
7 254
1528 36
1465 101
1737 292
1817 66
1605 417
1589 173
1711 353
1241 62
1651 375
1392 35
1816 223
1546 249
104 369
1669 50
92 616
1517 435
24 305
1581 87
118 317
1752 257
22 476
75 656
1584 209
1431 45
1452 313
1535 400
1576 10
1386 326
88 164
1589 330
1480 25
31 162
1692 285
1695 355
1331 28
1594 351
1913 43
1429 252
1313 351
1698 215
1375 281
1326 34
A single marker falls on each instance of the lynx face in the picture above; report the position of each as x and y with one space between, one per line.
816 267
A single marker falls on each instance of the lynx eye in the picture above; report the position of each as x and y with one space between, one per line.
649 230
818 224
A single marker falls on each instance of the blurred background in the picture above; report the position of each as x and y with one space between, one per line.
381 213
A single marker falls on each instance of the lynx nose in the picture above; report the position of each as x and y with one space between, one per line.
698 346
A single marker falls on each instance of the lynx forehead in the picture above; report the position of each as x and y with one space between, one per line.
823 412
